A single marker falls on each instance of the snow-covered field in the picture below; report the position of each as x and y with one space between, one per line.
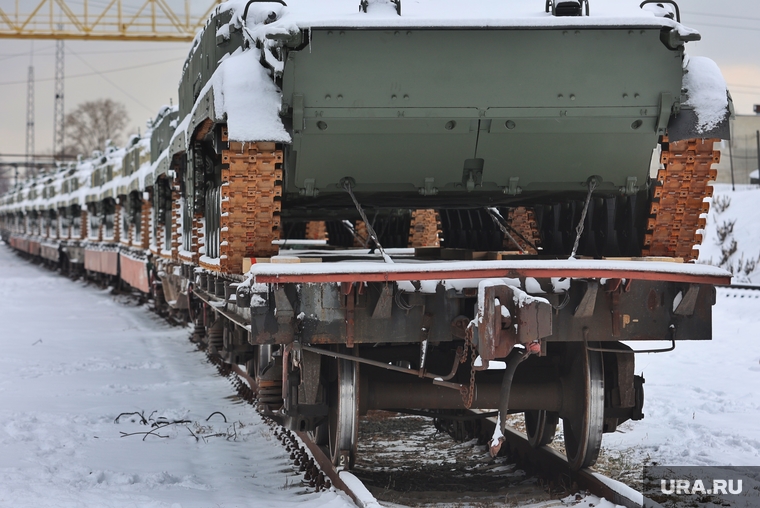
702 401
73 358
732 236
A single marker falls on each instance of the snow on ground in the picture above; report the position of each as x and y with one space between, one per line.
732 236
73 358
702 404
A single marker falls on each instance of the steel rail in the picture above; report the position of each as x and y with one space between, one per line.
322 460
546 459
326 465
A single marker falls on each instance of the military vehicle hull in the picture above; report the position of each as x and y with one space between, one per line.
467 118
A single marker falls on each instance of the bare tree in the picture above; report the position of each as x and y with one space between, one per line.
93 123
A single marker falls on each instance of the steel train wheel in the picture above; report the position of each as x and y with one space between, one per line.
541 426
584 425
343 415
321 434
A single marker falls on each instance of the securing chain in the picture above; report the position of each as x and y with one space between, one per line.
579 229
493 213
467 394
348 187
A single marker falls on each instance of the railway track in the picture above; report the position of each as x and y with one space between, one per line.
455 472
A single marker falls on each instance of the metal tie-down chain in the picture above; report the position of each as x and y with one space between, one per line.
467 394
579 229
348 187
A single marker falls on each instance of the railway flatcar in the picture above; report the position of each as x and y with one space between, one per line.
432 208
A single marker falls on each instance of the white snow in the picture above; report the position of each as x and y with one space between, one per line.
532 286
74 357
497 434
442 13
364 498
521 299
560 284
701 400
741 216
677 300
244 92
621 488
415 267
492 364
706 90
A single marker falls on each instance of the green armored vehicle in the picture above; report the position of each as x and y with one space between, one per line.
523 117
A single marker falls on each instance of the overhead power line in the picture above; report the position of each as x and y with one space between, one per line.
732 27
713 15
46 52
108 80
109 71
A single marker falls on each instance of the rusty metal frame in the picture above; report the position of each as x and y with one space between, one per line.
413 372
633 351
489 273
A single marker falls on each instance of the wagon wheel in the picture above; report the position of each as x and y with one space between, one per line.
343 414
583 425
541 426
321 433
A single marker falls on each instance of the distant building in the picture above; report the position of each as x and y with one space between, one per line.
742 151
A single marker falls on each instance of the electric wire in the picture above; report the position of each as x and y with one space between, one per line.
86 74
137 101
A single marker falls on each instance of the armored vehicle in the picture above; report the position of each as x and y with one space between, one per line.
525 108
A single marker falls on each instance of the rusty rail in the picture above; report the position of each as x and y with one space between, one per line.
325 464
552 462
